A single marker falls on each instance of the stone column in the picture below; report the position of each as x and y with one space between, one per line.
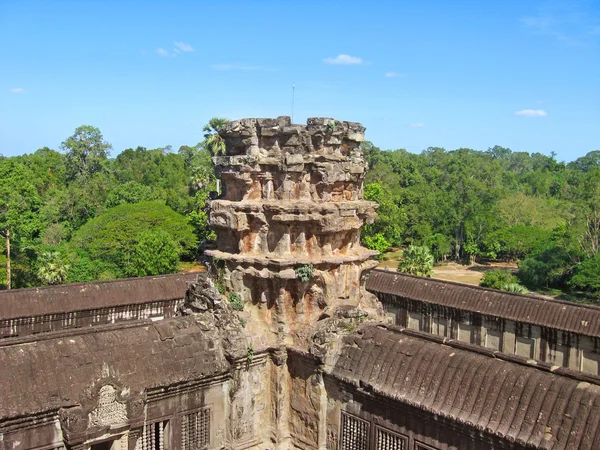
290 218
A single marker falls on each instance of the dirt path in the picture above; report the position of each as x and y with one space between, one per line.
456 272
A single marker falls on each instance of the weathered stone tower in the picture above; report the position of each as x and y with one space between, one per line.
288 222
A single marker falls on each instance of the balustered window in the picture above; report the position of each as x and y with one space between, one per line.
155 436
388 440
195 430
355 433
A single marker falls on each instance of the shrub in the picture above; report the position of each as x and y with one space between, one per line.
236 301
515 288
304 272
416 261
497 278
376 242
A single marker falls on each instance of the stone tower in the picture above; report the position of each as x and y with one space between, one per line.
288 221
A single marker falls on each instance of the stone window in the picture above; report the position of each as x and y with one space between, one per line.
415 321
155 436
493 339
590 362
388 440
465 332
195 430
524 347
440 326
354 433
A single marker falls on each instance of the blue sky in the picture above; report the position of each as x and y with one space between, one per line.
521 74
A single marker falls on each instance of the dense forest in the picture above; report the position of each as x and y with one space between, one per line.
77 215
496 204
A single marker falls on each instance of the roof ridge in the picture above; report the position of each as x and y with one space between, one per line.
481 288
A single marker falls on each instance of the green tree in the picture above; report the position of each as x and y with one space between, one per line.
416 261
213 142
376 242
52 268
586 276
550 264
130 192
113 236
86 152
154 253
497 278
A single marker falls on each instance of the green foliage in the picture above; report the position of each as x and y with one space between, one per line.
212 141
586 276
83 269
440 246
515 288
518 241
242 322
116 236
250 354
390 217
416 261
52 268
236 301
548 265
86 152
497 278
377 242
130 192
154 253
304 272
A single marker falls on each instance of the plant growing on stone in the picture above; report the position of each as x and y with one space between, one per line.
250 355
242 322
236 301
304 272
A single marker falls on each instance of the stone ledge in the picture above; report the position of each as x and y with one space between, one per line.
280 262
291 207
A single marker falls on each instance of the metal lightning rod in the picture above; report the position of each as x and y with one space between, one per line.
293 93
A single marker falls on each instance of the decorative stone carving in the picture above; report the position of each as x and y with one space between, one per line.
109 411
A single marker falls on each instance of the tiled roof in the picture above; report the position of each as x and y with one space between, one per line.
536 408
58 371
85 296
540 311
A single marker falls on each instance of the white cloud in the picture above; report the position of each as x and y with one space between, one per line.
162 52
343 60
393 75
416 125
17 90
183 46
531 113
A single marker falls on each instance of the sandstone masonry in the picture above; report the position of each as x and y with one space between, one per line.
288 221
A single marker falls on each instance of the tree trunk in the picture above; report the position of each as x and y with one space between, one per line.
7 259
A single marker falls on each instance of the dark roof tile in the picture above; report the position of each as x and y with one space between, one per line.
557 314
88 296
55 372
527 404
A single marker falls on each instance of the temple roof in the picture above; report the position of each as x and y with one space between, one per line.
556 314
519 402
61 369
85 296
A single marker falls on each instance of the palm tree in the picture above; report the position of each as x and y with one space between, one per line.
213 142
52 269
416 261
